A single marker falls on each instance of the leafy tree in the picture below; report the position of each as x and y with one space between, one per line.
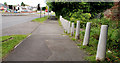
50 6
66 9
22 4
5 3
43 8
38 7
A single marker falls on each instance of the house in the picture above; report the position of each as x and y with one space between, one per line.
3 7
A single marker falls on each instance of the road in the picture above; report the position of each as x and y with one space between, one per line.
11 25
8 21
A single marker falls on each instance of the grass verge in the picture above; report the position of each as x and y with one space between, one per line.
59 22
113 41
40 20
53 13
9 42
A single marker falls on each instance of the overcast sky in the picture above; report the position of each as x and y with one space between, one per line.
28 2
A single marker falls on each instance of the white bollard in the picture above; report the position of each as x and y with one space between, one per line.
87 34
1 35
77 35
72 29
101 49
68 30
60 18
1 24
66 25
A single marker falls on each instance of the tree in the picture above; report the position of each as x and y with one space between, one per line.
66 9
43 8
22 4
5 3
38 7
50 5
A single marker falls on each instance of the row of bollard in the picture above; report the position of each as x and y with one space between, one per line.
101 49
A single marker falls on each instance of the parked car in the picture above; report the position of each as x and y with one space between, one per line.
25 10
46 10
15 11
18 11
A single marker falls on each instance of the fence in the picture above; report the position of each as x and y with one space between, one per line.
101 49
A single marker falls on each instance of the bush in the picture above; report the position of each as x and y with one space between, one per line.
80 16
113 48
112 39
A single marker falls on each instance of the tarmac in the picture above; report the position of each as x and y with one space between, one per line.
20 29
48 42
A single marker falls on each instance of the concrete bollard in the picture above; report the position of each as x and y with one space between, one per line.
77 35
87 34
72 29
68 30
1 35
60 18
1 21
101 49
65 25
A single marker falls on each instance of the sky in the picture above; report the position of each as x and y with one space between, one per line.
28 2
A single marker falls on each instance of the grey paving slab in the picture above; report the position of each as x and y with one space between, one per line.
47 43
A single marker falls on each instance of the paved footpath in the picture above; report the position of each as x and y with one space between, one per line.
47 43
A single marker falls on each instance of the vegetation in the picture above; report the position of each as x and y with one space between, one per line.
53 13
38 7
59 22
113 40
43 8
86 12
40 20
22 4
66 9
9 42
5 3
112 51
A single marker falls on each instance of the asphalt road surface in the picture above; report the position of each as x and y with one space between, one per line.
8 21
47 43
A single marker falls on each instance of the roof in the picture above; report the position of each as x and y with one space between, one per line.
2 5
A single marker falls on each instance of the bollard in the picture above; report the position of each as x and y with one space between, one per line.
87 34
77 35
68 30
101 49
60 18
66 23
1 35
1 23
72 29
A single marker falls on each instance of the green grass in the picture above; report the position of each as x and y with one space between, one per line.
113 41
42 13
9 44
59 22
53 13
40 20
